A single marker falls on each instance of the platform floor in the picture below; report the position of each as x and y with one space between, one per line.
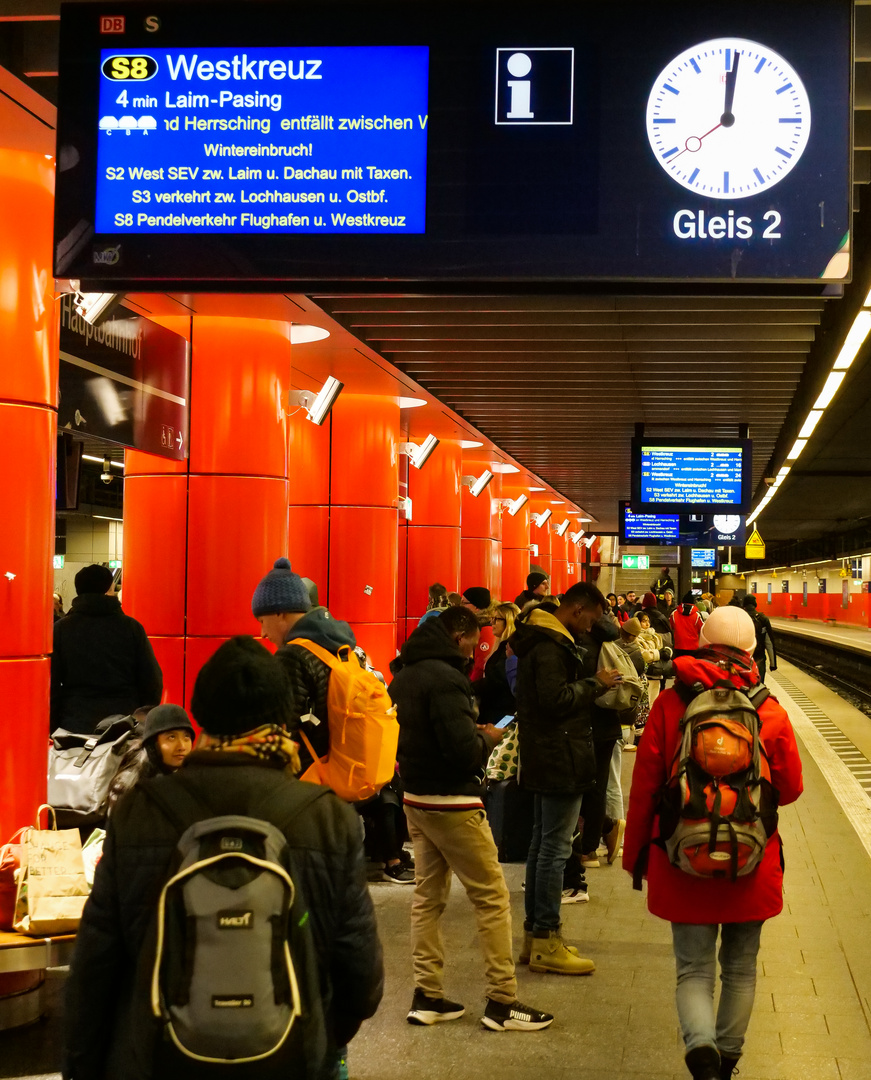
856 637
814 991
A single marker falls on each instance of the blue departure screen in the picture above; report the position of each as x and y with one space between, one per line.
697 475
283 140
704 557
665 527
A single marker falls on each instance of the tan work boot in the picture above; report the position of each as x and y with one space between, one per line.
552 954
526 948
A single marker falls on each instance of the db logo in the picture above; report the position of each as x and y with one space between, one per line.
112 24
485 647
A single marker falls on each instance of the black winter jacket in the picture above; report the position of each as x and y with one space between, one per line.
495 699
310 677
109 1034
554 697
102 664
441 751
658 621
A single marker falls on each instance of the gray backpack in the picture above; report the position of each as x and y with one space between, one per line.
223 981
81 769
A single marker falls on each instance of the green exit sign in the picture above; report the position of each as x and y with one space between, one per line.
730 568
636 562
58 563
114 564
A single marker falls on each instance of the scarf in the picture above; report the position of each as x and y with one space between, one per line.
269 743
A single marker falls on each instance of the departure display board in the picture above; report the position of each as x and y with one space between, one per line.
317 140
690 475
704 558
642 528
449 142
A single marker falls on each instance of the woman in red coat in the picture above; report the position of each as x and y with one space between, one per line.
701 908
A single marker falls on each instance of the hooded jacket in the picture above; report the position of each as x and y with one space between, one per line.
102 664
658 621
310 677
686 625
441 751
109 1030
671 893
554 698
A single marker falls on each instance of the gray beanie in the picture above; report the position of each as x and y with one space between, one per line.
281 590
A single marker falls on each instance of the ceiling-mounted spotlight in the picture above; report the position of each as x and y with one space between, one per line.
419 454
562 528
591 540
514 506
317 406
477 484
543 518
95 307
575 537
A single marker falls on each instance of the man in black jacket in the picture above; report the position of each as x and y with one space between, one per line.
537 586
282 606
442 755
240 767
102 661
558 763
764 650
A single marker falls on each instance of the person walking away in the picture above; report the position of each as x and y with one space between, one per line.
282 606
764 650
701 909
493 690
537 586
478 601
686 625
166 740
554 696
242 766
103 663
442 756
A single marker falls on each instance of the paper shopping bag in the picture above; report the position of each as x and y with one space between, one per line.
52 889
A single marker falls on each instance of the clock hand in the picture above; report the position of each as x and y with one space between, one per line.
695 139
728 118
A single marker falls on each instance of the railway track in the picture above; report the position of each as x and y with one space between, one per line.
846 672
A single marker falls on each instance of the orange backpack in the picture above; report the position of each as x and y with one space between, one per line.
364 731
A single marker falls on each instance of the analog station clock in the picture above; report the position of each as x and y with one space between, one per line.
728 118
727 523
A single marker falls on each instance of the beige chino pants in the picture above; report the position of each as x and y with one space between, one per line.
459 841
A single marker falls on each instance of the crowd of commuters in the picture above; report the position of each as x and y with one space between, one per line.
578 680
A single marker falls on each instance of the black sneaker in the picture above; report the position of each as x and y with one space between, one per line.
426 1010
398 874
514 1017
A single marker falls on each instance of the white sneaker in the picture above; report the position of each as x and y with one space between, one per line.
574 896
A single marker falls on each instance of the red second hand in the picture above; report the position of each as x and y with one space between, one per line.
699 137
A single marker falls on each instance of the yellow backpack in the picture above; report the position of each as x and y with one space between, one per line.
364 731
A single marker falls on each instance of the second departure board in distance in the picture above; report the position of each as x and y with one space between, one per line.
690 475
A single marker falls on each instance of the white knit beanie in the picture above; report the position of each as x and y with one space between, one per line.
729 626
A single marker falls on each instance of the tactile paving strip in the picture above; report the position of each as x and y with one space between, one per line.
853 758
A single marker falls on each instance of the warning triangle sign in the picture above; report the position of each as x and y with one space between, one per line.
755 546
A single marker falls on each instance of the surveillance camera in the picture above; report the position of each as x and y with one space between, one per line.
106 477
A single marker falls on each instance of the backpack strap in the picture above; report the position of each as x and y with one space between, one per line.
758 695
319 651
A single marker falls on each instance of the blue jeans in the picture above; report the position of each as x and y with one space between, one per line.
556 818
694 952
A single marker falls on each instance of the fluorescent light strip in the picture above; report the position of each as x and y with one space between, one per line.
813 418
831 387
854 340
101 461
797 448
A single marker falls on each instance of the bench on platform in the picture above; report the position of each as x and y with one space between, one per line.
23 963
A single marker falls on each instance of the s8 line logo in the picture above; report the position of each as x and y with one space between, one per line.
122 68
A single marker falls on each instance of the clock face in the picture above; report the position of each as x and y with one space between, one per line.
728 118
727 523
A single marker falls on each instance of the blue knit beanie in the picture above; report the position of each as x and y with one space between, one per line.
281 590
